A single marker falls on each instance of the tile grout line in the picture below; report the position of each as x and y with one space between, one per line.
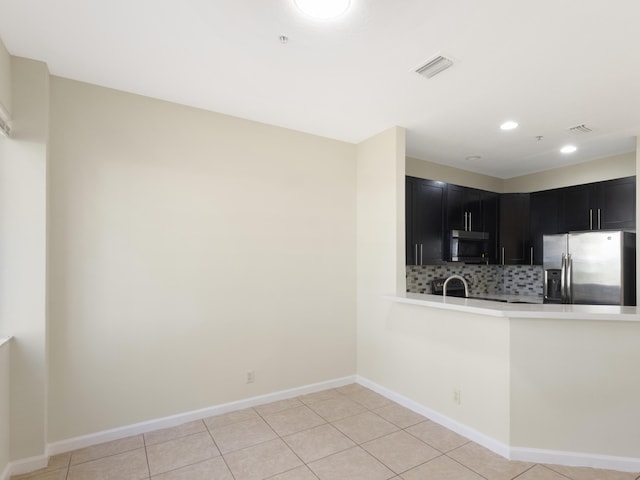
219 451
146 454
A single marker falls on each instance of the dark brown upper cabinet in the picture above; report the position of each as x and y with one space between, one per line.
424 221
605 205
514 229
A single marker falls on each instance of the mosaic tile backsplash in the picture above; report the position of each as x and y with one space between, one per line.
508 279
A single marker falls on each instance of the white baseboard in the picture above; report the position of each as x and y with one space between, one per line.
467 432
26 465
71 444
571 459
553 457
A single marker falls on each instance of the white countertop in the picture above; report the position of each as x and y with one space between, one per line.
521 310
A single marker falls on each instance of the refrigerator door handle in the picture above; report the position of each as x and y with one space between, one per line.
545 285
563 279
569 279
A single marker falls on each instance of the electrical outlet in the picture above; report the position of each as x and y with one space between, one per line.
251 376
457 396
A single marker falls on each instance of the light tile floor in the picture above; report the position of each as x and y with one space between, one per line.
347 433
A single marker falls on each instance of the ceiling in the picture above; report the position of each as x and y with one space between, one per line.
549 65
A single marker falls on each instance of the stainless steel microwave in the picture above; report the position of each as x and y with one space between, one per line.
469 247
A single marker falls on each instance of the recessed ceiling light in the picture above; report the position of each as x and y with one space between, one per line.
510 125
568 149
473 158
323 9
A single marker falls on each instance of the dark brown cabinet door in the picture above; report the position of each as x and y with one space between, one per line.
544 209
490 223
616 207
576 202
464 208
424 221
514 229
456 208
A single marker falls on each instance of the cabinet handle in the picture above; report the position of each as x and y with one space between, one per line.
470 227
415 256
502 255
465 221
421 252
531 255
599 223
591 219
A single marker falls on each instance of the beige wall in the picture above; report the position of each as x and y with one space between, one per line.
419 353
23 166
188 248
5 78
608 168
5 445
380 246
574 387
5 418
434 171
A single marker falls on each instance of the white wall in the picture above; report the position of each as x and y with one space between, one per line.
187 248
23 166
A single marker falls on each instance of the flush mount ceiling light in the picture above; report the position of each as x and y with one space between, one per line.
323 9
568 149
509 125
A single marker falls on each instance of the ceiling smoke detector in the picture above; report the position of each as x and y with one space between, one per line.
434 66
580 129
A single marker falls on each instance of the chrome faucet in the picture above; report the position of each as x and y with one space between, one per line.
459 277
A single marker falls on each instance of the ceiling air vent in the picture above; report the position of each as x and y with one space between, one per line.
434 66
580 129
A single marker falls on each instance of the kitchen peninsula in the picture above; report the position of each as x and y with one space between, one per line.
530 382
522 309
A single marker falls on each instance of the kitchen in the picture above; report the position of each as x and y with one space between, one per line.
495 241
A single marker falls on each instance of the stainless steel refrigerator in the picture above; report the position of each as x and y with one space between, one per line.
594 268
